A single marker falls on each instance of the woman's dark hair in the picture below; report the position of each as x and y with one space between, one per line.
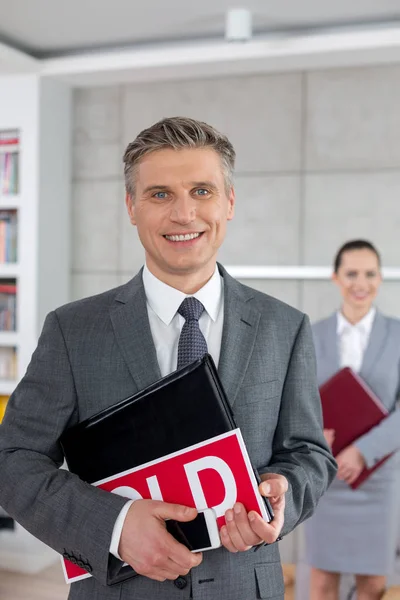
354 245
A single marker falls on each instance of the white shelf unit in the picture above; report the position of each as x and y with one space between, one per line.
11 202
9 270
9 338
7 386
40 110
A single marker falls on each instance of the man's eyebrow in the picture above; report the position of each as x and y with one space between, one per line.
203 184
152 188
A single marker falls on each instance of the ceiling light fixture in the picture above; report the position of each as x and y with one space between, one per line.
238 26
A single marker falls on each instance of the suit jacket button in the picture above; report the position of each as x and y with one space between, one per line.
180 583
88 567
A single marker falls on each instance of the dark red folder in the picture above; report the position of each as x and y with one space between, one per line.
351 408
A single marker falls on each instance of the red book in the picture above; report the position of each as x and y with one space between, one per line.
8 288
351 408
9 141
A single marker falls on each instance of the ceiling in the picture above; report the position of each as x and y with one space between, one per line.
47 28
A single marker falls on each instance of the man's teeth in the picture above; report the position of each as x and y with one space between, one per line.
182 238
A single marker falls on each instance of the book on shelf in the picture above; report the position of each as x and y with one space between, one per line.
9 137
8 305
8 236
9 159
8 172
8 363
8 288
3 403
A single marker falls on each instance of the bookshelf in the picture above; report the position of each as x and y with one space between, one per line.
9 213
35 179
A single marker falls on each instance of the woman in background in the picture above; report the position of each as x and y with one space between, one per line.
354 531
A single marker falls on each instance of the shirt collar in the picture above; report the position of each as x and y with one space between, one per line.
364 325
165 300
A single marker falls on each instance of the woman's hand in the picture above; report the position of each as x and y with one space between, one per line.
350 462
329 435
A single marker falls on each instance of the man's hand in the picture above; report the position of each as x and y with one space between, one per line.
329 435
147 546
350 462
242 530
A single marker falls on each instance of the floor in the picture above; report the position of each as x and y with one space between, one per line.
47 585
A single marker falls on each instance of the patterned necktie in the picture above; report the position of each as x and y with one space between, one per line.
192 344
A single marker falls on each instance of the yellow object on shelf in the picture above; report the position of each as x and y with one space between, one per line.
3 402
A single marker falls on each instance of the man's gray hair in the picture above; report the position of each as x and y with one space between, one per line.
178 133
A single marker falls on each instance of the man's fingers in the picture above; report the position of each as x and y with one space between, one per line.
278 504
243 525
226 540
272 486
234 532
170 572
181 555
166 510
174 568
268 532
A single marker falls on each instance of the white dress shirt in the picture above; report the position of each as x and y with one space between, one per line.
166 324
353 339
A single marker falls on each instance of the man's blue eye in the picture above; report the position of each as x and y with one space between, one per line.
160 195
202 192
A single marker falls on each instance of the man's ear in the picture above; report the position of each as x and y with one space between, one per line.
231 200
130 205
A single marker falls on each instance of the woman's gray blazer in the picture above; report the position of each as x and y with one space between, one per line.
355 531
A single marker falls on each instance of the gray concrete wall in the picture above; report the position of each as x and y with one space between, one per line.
318 163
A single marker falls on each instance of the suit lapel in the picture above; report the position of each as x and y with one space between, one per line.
376 341
241 321
132 331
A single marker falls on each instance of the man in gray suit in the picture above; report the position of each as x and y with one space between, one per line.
100 350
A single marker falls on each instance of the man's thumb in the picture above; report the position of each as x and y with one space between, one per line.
176 511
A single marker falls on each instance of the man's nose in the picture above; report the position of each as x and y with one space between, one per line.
184 209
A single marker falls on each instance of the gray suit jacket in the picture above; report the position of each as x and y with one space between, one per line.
380 369
97 351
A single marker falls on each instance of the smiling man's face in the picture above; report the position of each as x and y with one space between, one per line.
181 208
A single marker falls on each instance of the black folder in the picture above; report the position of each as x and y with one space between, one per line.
182 409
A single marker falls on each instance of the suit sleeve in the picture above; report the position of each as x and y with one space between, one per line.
382 439
53 504
300 452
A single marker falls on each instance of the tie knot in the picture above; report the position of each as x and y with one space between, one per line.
191 309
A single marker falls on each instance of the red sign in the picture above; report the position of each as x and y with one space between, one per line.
213 474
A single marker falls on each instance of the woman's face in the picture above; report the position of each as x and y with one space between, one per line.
358 278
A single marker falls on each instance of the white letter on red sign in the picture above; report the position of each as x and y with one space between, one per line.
154 488
217 464
127 492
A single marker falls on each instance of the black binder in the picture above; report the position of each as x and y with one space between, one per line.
182 409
